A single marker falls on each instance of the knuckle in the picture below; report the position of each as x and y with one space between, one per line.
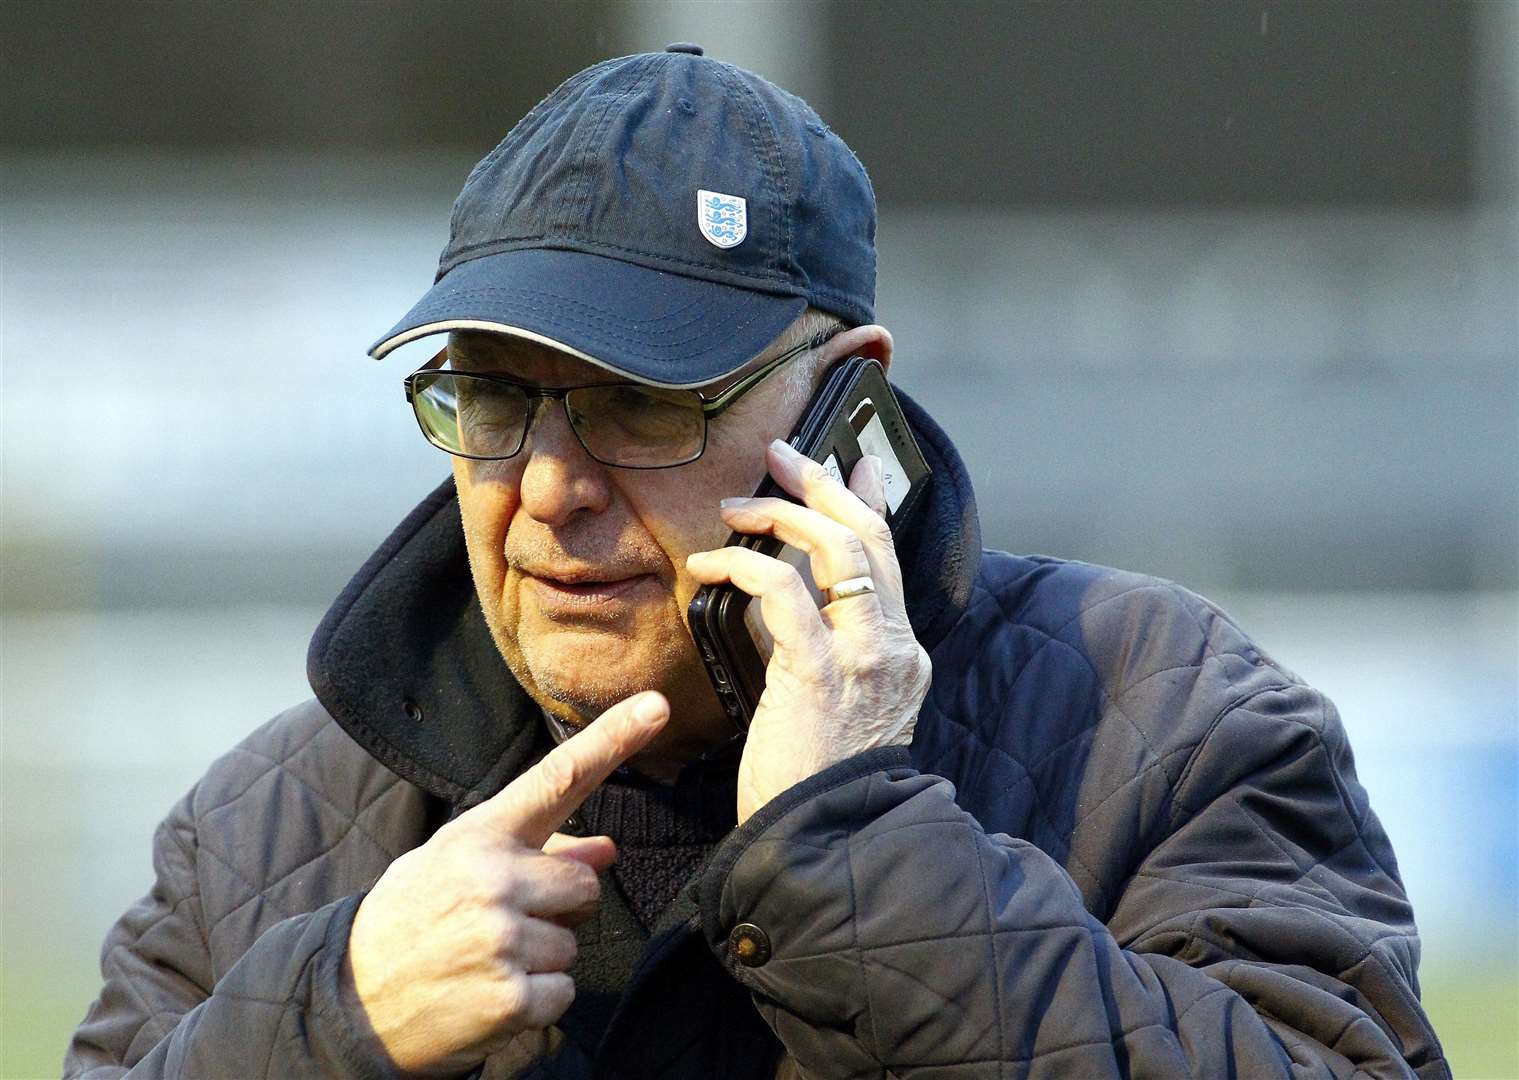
876 529
921 670
559 774
585 885
815 475
564 948
450 835
783 576
907 657
508 878
511 998
508 935
866 659
568 882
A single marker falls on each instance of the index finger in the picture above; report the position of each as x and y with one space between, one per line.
534 805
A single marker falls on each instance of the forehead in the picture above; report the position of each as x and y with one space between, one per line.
534 362
503 354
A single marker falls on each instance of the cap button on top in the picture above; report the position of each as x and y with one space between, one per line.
750 944
685 47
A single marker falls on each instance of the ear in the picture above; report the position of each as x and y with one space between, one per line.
872 342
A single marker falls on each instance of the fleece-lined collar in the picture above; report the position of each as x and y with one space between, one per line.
404 662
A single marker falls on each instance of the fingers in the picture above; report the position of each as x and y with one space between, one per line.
846 512
868 481
535 946
790 613
531 807
805 479
834 551
545 885
597 852
544 998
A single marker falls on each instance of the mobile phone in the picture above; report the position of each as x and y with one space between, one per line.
853 413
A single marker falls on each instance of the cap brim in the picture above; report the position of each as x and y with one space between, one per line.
650 325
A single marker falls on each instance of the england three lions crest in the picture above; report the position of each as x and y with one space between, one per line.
723 219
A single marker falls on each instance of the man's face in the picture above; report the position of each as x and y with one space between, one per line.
580 567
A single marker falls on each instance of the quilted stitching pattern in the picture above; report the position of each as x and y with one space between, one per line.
1025 645
294 817
1187 881
1131 746
328 838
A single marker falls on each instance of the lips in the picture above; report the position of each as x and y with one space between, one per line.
568 590
578 575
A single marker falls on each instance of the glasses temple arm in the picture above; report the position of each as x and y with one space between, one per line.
732 393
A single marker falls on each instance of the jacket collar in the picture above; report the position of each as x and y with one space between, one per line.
403 660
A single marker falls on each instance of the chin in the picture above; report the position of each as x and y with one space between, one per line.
587 673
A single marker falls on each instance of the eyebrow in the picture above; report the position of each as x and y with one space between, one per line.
483 351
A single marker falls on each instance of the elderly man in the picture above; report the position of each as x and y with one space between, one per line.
516 832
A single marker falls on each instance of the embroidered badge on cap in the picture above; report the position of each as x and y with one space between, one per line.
723 219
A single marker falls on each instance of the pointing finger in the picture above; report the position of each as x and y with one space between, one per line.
534 805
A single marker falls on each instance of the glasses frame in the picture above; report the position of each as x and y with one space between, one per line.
712 406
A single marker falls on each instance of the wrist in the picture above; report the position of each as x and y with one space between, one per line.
337 1006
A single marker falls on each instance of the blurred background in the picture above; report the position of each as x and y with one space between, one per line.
1222 291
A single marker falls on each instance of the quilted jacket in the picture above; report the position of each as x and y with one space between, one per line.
1124 842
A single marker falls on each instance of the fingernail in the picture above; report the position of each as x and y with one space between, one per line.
731 502
783 447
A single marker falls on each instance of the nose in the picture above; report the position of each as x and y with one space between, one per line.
559 479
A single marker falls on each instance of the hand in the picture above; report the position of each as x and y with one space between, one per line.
843 679
466 940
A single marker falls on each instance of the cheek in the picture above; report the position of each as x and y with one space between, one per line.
682 512
488 498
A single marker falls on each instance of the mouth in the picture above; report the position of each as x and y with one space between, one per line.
574 590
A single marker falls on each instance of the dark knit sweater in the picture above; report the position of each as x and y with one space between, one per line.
664 832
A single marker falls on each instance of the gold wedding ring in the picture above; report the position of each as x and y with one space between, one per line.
855 586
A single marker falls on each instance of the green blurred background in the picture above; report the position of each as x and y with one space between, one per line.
1155 266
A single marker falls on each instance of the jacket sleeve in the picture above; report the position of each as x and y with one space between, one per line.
277 1012
1262 934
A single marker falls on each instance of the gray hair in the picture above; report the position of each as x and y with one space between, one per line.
801 375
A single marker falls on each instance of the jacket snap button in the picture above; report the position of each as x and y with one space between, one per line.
750 944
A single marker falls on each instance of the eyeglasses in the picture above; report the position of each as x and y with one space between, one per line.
628 425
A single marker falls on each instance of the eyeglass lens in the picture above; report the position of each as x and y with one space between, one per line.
623 424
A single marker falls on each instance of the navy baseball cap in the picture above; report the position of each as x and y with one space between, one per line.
662 215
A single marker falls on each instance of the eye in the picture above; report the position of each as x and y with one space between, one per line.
647 413
486 402
629 424
490 416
